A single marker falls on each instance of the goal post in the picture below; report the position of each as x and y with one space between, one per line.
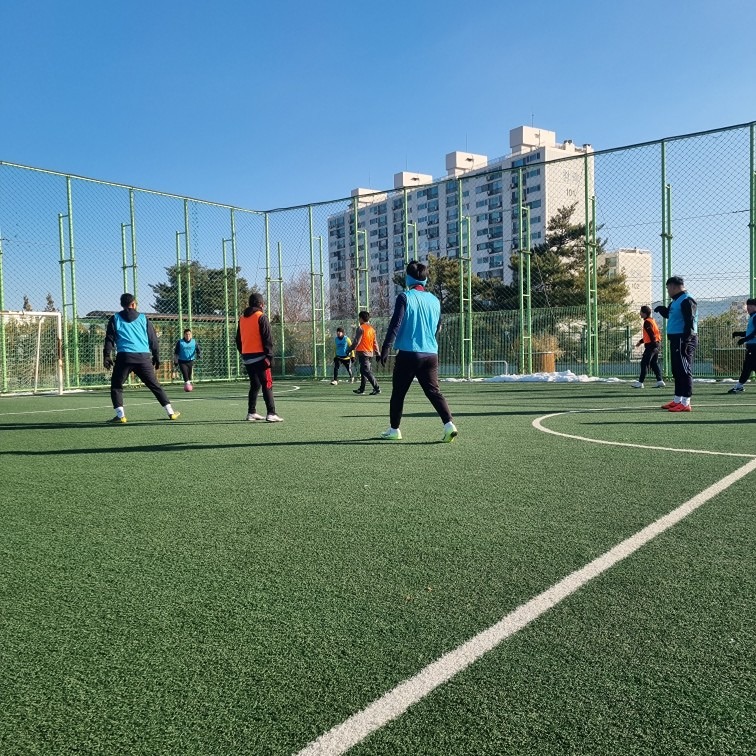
31 352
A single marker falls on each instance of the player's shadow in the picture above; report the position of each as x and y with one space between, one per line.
189 447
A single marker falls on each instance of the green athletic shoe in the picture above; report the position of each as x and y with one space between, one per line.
450 432
116 420
392 434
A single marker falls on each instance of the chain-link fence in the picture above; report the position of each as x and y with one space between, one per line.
541 259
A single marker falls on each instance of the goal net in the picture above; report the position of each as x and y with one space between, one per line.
30 352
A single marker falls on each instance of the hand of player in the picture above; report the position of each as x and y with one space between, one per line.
639 343
267 362
735 334
658 309
156 363
741 341
107 363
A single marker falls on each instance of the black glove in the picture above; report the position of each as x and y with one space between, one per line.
658 309
107 363
156 363
741 341
737 333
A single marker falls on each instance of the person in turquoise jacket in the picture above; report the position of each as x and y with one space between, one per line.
413 326
136 345
682 333
185 353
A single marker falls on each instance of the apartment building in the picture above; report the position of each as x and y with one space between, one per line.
636 265
422 216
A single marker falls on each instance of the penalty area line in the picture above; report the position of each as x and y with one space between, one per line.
393 704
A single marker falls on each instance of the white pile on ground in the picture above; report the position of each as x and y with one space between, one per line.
565 376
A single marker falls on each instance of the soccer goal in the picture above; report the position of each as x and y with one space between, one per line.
31 354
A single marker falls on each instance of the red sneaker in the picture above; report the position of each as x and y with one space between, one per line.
669 405
680 408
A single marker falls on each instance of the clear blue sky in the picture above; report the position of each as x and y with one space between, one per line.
270 104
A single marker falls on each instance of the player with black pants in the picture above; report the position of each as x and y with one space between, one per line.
682 333
136 343
413 326
748 339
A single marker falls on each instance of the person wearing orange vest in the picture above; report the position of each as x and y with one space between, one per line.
652 342
365 345
255 344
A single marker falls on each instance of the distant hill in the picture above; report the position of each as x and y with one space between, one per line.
710 307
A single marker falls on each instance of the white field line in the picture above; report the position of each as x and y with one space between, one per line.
393 704
538 425
130 404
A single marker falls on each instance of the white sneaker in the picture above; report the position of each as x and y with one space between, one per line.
273 419
392 434
660 384
253 417
450 432
334 383
636 384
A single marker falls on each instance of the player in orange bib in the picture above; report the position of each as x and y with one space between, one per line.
365 345
652 343
255 344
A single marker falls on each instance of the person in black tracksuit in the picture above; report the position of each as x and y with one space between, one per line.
746 338
135 341
682 334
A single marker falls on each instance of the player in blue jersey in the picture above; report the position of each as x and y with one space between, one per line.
413 326
344 356
747 338
185 353
135 341
682 333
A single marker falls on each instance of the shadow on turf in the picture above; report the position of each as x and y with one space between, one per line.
188 446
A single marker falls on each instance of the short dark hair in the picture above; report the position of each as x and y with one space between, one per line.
646 310
340 329
676 280
417 270
256 300
364 315
187 330
127 299
751 302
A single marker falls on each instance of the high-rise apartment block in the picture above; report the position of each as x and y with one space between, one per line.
422 216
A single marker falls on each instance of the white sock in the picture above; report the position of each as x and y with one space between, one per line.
168 409
678 400
120 412
685 401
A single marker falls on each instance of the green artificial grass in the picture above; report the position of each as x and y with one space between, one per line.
214 586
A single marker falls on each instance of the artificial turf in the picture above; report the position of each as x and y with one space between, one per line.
216 586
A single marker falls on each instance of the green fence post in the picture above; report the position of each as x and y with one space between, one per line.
312 294
523 269
267 261
281 310
3 354
666 245
322 309
236 284
132 221
752 224
188 255
225 310
179 303
124 264
406 228
72 262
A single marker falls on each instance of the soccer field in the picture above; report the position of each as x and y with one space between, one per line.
212 586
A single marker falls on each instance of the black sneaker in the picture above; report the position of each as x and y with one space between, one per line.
358 391
374 392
